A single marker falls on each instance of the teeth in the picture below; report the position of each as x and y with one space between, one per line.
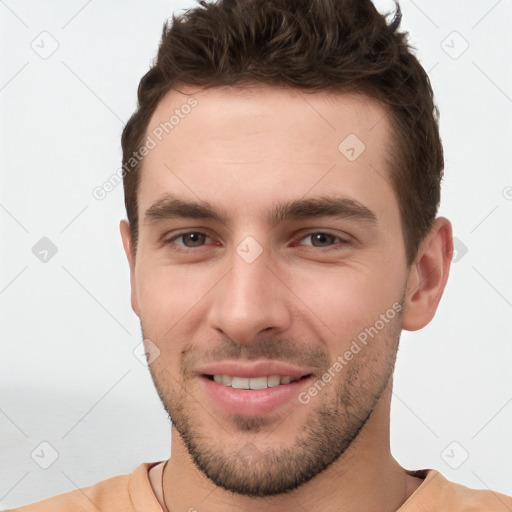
239 383
226 380
253 382
273 381
258 383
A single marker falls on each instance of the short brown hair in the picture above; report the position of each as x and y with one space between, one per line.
335 45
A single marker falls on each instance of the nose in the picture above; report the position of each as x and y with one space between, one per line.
249 300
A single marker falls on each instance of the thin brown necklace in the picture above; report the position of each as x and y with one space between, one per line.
162 484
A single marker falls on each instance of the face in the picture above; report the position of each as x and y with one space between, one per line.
270 257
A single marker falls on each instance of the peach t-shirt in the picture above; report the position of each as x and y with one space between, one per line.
133 493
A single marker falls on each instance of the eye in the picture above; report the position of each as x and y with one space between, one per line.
190 239
321 239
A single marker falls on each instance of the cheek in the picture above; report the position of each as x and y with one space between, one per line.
344 301
168 295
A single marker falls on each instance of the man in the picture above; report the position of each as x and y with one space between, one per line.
282 179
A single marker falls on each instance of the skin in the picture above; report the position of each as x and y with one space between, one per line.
236 149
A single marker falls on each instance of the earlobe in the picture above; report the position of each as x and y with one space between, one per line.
428 276
126 237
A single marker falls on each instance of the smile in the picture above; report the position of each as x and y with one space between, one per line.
252 382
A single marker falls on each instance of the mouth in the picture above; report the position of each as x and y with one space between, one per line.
254 383
253 388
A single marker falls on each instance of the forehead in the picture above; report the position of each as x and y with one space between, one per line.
261 110
274 141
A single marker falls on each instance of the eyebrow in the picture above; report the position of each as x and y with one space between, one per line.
171 207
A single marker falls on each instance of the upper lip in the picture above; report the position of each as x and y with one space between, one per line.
250 369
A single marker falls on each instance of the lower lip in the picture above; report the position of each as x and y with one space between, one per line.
248 402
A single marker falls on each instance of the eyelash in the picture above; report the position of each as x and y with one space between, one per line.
180 248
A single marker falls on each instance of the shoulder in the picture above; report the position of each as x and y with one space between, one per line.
115 493
102 495
438 493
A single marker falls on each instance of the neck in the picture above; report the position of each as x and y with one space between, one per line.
365 478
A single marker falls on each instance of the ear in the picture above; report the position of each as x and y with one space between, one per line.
126 237
428 276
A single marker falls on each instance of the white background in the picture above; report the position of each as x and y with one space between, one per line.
68 375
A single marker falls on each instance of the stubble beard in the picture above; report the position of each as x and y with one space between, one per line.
332 426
